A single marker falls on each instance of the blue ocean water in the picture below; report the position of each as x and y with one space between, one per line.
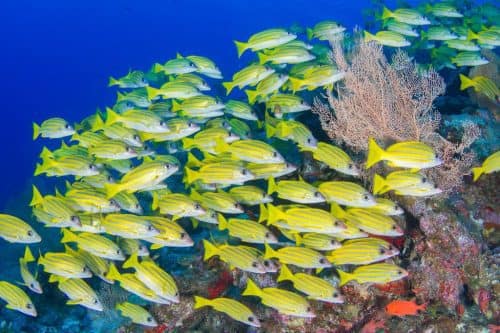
57 57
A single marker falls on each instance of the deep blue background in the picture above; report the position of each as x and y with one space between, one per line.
56 56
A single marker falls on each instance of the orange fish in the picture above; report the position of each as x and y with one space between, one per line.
404 308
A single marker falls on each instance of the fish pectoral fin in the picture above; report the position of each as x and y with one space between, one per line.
74 301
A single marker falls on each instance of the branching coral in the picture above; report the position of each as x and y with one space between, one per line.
387 101
391 101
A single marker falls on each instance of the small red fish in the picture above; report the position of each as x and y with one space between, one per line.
404 308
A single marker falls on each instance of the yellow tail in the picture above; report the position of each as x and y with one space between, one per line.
310 33
210 250
337 211
368 36
386 14
270 131
37 198
466 82
111 117
269 252
112 189
68 236
200 302
262 58
285 274
229 86
274 214
113 82
240 47
133 261
223 225
113 273
295 83
379 184
477 172
271 186
252 96
36 131
263 216
252 289
345 277
190 175
152 92
28 256
375 153
155 203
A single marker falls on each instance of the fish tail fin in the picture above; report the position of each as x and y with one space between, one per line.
155 203
375 153
269 252
98 123
190 175
263 216
220 146
113 273
68 236
466 82
113 82
28 256
270 131
471 35
252 289
262 58
46 154
274 214
37 198
200 302
133 261
477 172
240 47
428 8
119 96
222 222
345 277
176 106
229 86
192 161
111 116
157 68
386 13
152 92
188 143
336 210
36 130
252 96
112 189
298 240
210 250
55 278
368 36
271 186
285 274
309 32
379 184
295 83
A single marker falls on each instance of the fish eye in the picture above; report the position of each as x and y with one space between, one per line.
267 263
396 207
244 172
382 251
400 272
250 319
197 206
424 180
113 202
436 155
162 123
167 166
393 227
130 150
308 140
435 186
322 261
308 309
302 102
129 105
135 137
29 306
317 194
182 234
74 218
349 166
275 154
191 65
149 319
365 197
109 179
32 285
236 205
96 301
30 233
254 264
143 80
118 251
267 235
176 293
137 206
190 124
336 223
390 247
92 167
335 295
67 126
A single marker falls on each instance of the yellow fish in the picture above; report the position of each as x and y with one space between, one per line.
97 265
247 230
235 256
137 313
171 234
96 244
15 230
346 193
249 195
286 302
491 164
232 308
409 154
315 241
16 299
64 265
297 256
314 287
154 278
78 292
129 226
29 280
362 251
295 190
375 273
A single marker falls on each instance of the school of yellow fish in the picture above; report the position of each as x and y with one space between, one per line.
119 197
